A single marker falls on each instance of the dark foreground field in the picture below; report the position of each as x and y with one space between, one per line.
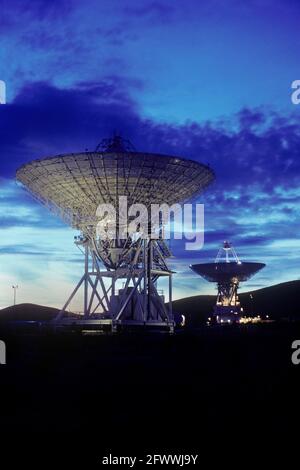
132 394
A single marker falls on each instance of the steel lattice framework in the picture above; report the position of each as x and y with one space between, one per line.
73 186
227 275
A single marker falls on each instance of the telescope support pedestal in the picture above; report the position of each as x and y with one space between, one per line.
137 303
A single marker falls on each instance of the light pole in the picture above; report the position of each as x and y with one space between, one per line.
252 309
15 293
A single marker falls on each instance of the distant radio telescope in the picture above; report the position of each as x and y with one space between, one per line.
227 272
120 276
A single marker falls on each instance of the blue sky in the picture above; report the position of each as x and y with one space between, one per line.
208 80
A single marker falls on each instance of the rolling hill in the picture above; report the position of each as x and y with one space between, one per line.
279 302
27 312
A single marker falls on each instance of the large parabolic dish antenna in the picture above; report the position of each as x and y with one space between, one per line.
227 272
74 185
224 272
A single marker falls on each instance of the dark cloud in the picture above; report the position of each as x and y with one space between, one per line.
44 120
151 10
254 201
255 147
117 35
17 11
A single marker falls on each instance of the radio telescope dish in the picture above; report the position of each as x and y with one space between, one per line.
74 185
222 272
227 274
